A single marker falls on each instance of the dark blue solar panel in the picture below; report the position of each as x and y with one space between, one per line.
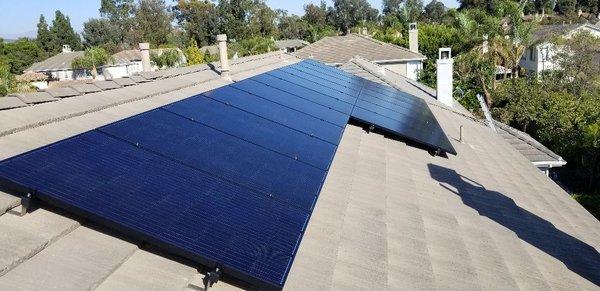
298 100
293 118
234 160
194 213
257 130
228 178
336 94
307 93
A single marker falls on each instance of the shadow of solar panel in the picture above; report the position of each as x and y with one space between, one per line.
186 211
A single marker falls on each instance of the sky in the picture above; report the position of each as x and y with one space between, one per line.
20 17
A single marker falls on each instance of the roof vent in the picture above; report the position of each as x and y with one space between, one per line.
224 58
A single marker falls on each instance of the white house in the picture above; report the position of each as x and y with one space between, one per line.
58 67
540 56
128 62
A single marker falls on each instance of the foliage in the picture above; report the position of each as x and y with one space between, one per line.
411 11
46 40
153 21
21 54
199 19
350 13
316 33
392 7
6 78
293 26
590 202
100 32
434 11
120 14
64 33
254 46
169 58
316 14
92 59
193 54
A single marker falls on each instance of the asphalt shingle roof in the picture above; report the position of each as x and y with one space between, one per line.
58 62
340 49
390 215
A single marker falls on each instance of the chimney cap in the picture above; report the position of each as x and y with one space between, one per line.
445 53
66 48
412 26
221 37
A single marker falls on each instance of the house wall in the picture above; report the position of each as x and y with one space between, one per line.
542 57
408 69
123 70
62 75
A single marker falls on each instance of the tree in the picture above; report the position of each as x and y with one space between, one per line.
6 78
167 58
45 39
233 15
350 13
21 54
100 32
254 46
565 7
199 18
316 14
120 13
392 7
92 59
434 11
193 54
153 21
292 27
64 33
261 20
412 10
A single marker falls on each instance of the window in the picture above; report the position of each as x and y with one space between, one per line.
531 55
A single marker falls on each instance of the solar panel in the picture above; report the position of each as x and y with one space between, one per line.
227 178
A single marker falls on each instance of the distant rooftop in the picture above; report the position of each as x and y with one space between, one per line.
340 49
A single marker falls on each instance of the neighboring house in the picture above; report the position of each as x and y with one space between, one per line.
58 67
337 50
291 45
390 215
129 62
539 155
541 55
36 79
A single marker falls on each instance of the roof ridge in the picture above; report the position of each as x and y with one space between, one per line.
390 44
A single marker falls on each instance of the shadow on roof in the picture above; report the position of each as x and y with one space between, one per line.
578 256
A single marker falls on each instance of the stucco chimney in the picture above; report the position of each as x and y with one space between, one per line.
485 46
413 37
445 66
145 52
222 41
66 48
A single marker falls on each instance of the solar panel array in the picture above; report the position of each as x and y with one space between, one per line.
228 178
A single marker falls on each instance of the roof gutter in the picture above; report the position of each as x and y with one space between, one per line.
549 164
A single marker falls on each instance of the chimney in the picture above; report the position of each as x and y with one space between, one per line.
485 48
66 48
413 37
222 41
579 12
145 52
365 31
445 65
